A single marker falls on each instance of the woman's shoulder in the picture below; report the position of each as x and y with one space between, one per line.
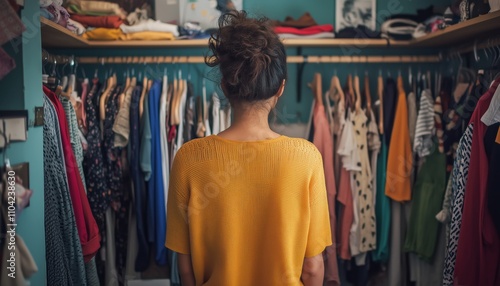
303 149
298 148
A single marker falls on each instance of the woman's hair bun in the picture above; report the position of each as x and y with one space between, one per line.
250 56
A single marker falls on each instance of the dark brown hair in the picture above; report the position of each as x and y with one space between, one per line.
250 57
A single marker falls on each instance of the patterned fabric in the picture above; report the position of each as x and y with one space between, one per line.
444 215
91 271
459 180
64 258
363 187
98 193
120 195
425 125
112 154
90 267
438 114
97 189
76 143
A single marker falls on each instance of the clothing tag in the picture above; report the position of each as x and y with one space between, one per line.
498 136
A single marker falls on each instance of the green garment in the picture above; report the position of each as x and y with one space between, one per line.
382 207
428 195
77 10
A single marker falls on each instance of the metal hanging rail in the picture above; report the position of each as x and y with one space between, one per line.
290 59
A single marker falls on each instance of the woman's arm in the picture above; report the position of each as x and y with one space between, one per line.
313 271
186 270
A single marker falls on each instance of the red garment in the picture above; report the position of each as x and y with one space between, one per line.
306 31
478 252
346 214
88 230
323 140
111 22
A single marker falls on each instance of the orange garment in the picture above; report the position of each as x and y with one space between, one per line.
400 158
247 212
98 21
103 34
148 36
323 140
346 214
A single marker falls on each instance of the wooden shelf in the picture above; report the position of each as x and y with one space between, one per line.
462 33
55 36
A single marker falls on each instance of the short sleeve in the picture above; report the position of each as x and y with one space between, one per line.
319 233
177 237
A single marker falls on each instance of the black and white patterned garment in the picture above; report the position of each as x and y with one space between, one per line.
65 265
459 180
76 143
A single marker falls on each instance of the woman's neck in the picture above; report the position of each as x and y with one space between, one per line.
249 125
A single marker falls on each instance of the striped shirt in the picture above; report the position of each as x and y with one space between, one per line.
425 125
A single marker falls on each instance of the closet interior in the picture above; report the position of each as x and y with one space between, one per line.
413 129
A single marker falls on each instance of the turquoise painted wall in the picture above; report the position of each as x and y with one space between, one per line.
323 11
21 89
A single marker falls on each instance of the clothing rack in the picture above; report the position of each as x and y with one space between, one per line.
290 59
57 59
489 43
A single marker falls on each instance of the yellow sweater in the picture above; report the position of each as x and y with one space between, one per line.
247 212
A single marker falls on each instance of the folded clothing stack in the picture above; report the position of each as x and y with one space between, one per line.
303 28
94 8
149 30
55 12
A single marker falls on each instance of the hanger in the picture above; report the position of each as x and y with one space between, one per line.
350 88
143 93
182 88
380 92
315 86
205 107
368 96
121 97
357 103
336 88
175 96
104 97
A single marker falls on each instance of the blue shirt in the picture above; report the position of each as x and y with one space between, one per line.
156 194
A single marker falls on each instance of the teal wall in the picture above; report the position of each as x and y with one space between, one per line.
323 11
21 89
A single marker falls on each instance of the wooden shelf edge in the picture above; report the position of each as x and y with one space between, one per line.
54 35
335 42
483 21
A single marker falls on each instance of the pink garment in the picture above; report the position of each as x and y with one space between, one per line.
306 31
323 140
346 214
10 24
